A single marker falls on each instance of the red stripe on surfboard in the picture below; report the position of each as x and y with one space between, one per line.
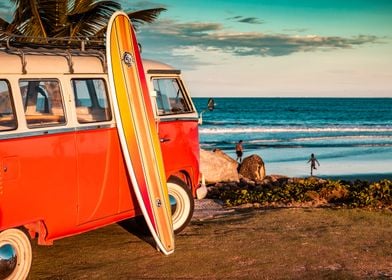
142 77
142 184
161 180
150 115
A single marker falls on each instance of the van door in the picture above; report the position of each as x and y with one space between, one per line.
97 152
178 126
39 181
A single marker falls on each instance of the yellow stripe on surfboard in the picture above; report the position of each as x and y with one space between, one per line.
146 142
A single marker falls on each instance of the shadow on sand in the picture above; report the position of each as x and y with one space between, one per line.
138 227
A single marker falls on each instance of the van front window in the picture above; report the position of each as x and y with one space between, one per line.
170 98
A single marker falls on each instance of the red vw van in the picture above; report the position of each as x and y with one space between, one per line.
61 167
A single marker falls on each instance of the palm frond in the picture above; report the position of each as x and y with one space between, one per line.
27 18
53 14
90 21
67 18
86 6
145 16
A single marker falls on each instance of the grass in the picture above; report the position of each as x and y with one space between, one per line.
251 244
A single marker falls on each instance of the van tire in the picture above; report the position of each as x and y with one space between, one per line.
21 246
182 211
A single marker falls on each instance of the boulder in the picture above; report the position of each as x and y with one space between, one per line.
216 166
253 168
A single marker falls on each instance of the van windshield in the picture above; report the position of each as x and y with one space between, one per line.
170 97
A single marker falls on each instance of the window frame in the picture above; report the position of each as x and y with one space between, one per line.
14 120
34 123
107 111
185 97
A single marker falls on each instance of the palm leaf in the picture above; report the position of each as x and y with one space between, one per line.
139 17
27 18
68 18
90 20
53 14
144 16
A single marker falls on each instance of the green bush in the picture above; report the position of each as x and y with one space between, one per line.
288 192
378 194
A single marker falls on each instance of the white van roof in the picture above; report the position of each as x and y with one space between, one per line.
63 61
19 61
156 67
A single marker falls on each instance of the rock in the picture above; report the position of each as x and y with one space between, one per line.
312 179
253 168
217 167
245 182
245 206
276 177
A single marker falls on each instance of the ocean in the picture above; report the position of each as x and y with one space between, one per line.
350 137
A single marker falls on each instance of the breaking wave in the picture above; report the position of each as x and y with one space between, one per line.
291 129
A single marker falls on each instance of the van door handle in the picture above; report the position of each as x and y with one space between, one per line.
163 140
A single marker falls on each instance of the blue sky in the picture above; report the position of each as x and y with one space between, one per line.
276 47
273 48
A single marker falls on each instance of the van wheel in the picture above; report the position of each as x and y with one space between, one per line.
182 204
15 254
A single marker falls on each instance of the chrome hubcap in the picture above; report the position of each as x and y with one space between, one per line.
8 260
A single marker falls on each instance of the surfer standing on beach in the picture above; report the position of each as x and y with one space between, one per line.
239 150
313 161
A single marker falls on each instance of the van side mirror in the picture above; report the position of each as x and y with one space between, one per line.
211 104
210 107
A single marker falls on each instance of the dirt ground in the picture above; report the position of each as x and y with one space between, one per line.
234 244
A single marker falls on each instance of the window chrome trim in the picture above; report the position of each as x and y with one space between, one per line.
179 118
164 71
41 132
92 126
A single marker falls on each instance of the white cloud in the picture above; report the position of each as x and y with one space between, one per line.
169 34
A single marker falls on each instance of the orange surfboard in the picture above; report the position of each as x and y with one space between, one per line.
137 129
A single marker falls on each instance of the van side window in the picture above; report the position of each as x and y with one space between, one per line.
7 113
170 97
92 104
43 102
